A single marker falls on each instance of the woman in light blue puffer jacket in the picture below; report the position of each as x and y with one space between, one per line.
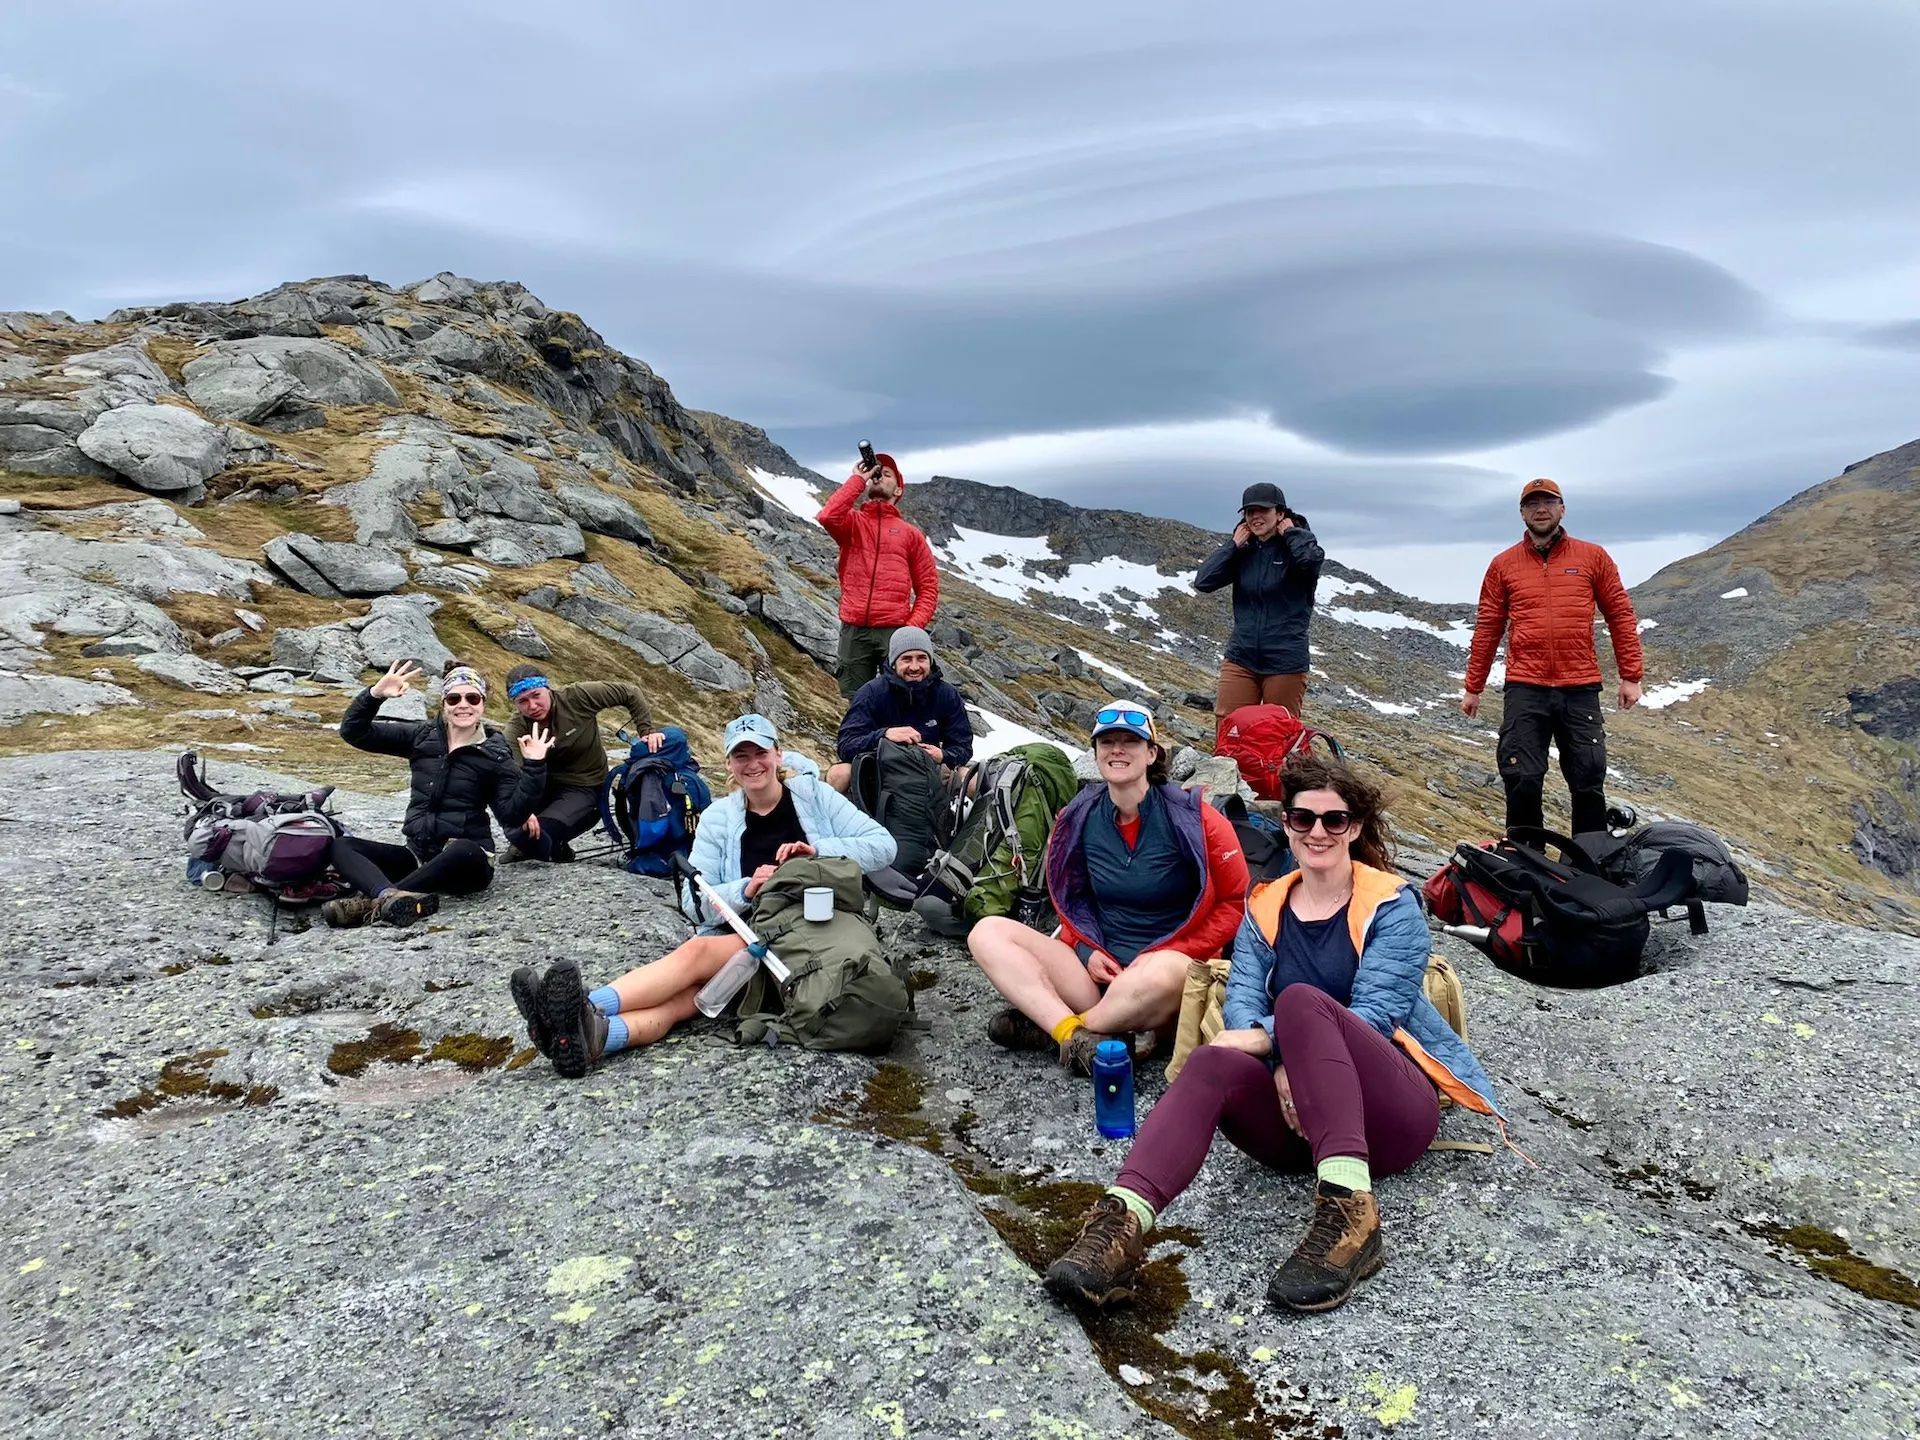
769 818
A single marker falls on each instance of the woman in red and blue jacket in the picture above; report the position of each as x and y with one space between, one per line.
1145 877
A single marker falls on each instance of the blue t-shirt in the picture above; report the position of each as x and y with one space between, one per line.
1141 893
1318 952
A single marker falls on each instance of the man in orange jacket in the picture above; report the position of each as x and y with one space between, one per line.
1546 588
886 569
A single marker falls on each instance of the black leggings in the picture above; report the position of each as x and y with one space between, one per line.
564 813
461 867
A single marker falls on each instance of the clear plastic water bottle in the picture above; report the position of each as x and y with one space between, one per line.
731 979
1113 1089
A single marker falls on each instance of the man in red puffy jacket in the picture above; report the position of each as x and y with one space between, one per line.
887 577
1542 594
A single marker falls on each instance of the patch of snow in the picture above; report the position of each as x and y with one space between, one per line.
1737 593
1672 693
1454 632
1115 671
1646 625
1385 707
1331 588
997 564
995 734
793 493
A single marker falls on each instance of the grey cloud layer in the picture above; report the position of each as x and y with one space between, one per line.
1411 233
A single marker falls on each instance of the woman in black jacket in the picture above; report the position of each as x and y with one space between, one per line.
461 769
1273 564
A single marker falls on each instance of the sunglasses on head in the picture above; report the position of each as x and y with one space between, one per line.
1300 820
1123 717
465 697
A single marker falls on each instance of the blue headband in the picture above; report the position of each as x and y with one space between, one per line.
521 687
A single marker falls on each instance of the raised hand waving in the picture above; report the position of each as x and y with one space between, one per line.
395 682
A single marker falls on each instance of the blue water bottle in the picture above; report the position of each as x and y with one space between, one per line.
1113 1089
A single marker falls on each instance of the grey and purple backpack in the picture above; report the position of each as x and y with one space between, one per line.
277 841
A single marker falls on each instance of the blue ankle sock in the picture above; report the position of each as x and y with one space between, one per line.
605 1001
616 1036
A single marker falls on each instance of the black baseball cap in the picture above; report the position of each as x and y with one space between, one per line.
1261 494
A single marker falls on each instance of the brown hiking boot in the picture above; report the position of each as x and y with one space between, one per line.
348 911
1011 1030
403 907
1076 1052
1342 1248
1099 1266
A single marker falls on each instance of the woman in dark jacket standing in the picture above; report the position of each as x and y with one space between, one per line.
1273 564
461 769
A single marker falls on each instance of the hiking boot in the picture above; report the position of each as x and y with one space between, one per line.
348 911
576 1032
524 986
563 853
1342 1248
1011 1030
516 856
1076 1054
1100 1264
403 907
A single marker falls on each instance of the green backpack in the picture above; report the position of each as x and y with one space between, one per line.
843 993
993 865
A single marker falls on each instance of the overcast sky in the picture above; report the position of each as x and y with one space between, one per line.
1396 258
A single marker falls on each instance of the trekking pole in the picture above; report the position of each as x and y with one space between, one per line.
755 945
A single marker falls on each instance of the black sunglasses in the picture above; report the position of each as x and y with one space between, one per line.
1300 820
465 697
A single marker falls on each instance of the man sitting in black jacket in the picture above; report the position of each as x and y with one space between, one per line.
910 704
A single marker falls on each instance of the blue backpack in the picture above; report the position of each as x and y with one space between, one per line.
650 803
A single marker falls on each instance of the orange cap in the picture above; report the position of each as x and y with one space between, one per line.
1540 487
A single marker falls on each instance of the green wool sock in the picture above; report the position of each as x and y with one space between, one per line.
1346 1170
1142 1211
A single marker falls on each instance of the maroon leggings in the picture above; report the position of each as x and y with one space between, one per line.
1357 1094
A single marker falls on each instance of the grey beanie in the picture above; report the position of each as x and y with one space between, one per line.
908 637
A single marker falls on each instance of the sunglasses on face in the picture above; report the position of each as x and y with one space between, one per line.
466 697
1300 820
1123 717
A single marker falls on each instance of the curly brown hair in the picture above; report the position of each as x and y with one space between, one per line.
1365 801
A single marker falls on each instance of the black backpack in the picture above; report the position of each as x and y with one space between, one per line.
1555 921
901 787
1263 843
1628 859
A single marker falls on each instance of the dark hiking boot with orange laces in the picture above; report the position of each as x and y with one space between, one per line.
1011 1030
403 907
1342 1247
1100 1265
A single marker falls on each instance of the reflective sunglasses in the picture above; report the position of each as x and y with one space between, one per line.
1300 820
1124 717
465 697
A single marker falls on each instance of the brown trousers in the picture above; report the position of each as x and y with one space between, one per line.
1240 686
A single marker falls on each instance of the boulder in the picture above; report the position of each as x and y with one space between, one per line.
163 448
795 613
326 652
658 640
127 364
280 382
516 634
150 569
135 517
450 535
601 581
339 568
85 608
420 458
41 450
23 693
400 627
410 706
190 672
514 543
594 509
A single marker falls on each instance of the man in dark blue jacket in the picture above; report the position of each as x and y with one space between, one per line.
1273 564
908 703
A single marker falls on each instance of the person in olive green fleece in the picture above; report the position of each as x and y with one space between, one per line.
577 763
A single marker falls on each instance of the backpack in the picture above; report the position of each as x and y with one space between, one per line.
1002 810
1260 738
277 841
844 992
901 787
1554 922
1628 859
1262 841
650 804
